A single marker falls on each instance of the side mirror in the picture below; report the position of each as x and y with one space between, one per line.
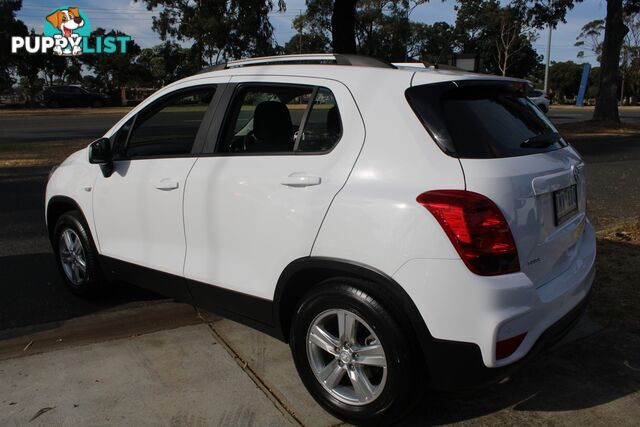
100 153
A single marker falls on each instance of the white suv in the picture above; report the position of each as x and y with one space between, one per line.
401 229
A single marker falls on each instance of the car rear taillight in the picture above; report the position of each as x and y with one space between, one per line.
477 229
507 347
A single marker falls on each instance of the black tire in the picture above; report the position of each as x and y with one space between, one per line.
53 104
399 392
92 282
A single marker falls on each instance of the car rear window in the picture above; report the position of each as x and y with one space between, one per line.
483 119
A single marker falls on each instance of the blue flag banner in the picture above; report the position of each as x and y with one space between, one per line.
583 84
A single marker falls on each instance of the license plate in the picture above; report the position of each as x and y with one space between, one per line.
565 203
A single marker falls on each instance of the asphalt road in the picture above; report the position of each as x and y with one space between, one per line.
33 293
34 128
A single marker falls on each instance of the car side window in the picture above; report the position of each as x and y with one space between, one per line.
169 126
268 119
264 119
323 128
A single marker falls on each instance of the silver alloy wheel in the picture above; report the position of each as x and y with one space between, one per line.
72 257
346 357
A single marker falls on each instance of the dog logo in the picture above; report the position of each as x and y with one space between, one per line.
68 23
67 32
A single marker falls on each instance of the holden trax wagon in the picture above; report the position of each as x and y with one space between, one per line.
403 229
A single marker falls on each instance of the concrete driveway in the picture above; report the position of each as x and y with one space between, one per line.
167 364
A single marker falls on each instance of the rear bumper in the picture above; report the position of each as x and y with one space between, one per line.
458 366
467 314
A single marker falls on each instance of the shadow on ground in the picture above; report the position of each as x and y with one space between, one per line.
31 289
601 369
33 293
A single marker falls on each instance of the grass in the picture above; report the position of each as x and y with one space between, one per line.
590 128
62 111
38 153
616 292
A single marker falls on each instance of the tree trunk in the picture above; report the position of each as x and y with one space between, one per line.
614 33
343 26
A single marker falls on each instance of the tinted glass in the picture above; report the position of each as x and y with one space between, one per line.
483 120
264 119
169 127
323 128
119 139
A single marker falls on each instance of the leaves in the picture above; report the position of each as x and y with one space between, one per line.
220 29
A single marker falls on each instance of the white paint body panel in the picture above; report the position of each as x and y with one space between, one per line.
375 220
461 306
137 222
243 226
74 179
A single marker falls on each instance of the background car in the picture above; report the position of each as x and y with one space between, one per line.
71 96
541 99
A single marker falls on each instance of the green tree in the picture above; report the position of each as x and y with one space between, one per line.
165 63
60 70
28 67
593 84
434 43
614 35
591 38
381 28
564 79
116 71
220 29
307 43
9 26
501 35
314 29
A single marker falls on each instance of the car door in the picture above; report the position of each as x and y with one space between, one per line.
255 201
138 209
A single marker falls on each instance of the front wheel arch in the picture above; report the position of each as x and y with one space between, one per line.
58 206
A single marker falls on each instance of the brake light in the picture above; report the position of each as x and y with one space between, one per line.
477 229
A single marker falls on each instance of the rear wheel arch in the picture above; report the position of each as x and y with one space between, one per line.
303 274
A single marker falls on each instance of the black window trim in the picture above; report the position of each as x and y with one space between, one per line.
223 110
199 141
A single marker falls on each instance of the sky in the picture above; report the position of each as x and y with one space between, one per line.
135 20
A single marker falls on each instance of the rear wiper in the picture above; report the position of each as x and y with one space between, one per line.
541 141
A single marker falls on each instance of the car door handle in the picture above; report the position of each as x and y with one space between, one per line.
167 184
301 180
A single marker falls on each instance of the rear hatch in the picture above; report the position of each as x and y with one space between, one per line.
512 154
